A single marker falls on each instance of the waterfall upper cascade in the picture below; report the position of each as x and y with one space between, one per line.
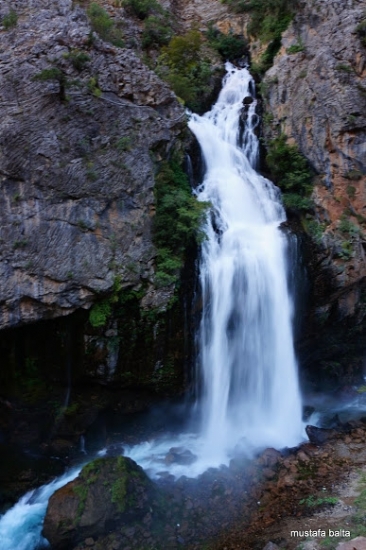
250 389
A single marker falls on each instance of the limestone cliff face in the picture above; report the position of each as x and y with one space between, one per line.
317 98
76 174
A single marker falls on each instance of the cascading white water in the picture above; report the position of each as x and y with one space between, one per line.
250 388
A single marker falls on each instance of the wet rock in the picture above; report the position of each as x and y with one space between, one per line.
271 546
248 100
318 436
108 492
179 455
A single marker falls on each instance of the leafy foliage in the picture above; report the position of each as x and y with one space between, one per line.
229 46
54 73
182 66
291 172
177 220
99 313
361 31
157 31
313 502
102 24
10 20
296 48
143 8
78 58
269 18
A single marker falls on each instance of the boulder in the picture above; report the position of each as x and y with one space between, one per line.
108 492
318 436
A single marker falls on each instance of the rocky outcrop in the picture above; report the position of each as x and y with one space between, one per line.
77 173
315 94
108 493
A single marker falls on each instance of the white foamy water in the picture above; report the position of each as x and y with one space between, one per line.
250 391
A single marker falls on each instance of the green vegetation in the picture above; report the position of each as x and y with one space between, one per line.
353 175
20 243
99 313
291 172
347 227
344 68
54 73
268 20
229 46
124 143
10 20
313 502
78 59
183 67
102 24
143 8
157 31
314 229
361 31
351 191
177 220
93 86
296 48
119 487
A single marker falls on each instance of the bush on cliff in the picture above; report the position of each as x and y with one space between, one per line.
177 220
143 8
104 25
291 172
182 65
229 46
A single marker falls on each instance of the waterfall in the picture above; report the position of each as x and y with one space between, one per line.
250 392
250 397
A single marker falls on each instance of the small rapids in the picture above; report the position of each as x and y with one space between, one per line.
21 526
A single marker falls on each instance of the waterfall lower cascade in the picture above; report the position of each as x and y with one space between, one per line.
250 392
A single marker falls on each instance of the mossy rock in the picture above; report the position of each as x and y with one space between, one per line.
107 492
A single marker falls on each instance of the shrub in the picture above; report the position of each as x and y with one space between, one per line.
343 67
102 24
157 31
361 31
78 59
229 46
347 227
54 73
143 8
296 48
10 20
297 202
99 314
269 18
353 175
289 167
182 66
177 220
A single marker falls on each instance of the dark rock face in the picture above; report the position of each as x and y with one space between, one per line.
77 175
107 493
316 98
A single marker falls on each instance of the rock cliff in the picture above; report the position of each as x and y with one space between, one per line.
315 95
76 166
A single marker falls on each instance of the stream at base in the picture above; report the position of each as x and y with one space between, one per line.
248 396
